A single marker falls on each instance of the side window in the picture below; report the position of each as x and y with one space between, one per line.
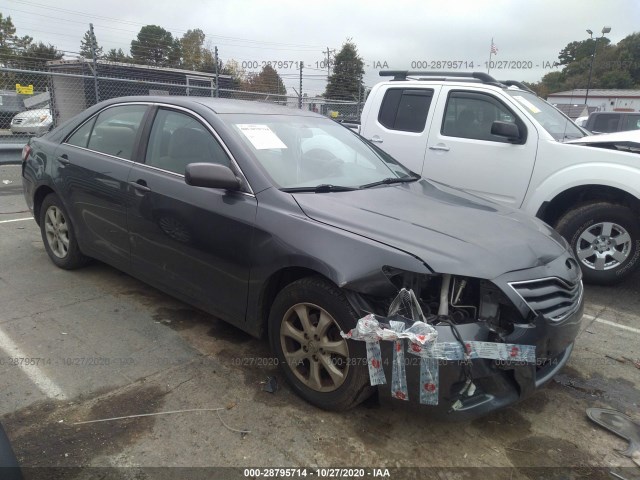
115 130
632 122
606 123
178 139
405 109
80 137
470 115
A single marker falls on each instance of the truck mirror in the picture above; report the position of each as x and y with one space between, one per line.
506 129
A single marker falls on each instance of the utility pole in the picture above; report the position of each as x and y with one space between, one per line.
215 50
329 52
95 61
300 94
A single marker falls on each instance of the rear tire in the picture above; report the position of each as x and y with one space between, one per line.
321 367
605 239
59 235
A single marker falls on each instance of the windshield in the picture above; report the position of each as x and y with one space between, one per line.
552 120
308 152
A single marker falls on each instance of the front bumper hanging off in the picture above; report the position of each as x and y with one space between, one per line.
502 373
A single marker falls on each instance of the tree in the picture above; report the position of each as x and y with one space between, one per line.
10 44
267 81
114 55
155 46
192 49
85 46
582 50
629 56
614 66
345 83
38 54
236 72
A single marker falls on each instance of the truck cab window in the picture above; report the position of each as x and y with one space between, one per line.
405 109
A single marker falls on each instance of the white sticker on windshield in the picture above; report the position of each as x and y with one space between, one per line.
260 136
532 108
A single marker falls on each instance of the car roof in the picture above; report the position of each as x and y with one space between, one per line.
221 105
613 113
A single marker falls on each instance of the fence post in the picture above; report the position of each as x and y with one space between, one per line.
95 62
300 97
215 49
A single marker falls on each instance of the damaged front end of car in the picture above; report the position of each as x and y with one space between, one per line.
495 341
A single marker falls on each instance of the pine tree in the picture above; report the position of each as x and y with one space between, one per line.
345 83
85 46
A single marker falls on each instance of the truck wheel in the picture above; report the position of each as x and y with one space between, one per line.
605 238
304 332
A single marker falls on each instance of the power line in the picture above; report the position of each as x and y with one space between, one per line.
127 22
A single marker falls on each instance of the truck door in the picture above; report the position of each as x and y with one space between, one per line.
401 125
462 151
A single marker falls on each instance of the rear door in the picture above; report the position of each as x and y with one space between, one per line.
190 241
92 167
463 153
401 125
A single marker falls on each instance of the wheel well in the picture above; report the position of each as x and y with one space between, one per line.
38 198
551 211
275 284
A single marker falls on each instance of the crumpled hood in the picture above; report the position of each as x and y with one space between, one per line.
449 230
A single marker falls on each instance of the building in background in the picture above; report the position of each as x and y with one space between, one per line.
599 100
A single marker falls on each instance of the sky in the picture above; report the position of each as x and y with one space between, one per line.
403 35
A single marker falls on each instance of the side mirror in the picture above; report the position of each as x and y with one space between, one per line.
211 175
505 129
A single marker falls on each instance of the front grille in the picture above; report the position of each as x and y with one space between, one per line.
553 298
17 121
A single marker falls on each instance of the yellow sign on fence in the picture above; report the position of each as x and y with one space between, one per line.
24 89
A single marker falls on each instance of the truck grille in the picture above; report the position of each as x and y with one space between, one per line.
553 298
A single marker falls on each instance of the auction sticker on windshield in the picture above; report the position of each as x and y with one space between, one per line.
260 136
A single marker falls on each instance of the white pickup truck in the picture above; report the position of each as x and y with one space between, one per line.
499 140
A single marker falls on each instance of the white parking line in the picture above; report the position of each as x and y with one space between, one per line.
612 324
16 220
37 376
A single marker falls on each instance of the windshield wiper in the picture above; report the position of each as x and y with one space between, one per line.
322 188
390 180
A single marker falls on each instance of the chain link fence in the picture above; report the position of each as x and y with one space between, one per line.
34 101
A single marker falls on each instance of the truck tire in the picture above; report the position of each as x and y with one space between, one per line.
605 239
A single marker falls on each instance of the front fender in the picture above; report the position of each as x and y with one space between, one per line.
597 166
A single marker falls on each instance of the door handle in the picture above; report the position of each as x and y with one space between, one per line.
442 148
376 140
63 159
140 185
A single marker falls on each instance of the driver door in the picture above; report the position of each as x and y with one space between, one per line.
190 241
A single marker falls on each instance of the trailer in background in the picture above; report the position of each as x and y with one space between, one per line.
75 86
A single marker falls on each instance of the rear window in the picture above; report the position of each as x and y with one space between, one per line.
606 123
405 109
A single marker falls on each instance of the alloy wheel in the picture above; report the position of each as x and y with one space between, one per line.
313 348
603 246
57 231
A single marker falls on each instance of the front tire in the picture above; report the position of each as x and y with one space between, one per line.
59 235
605 239
304 332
